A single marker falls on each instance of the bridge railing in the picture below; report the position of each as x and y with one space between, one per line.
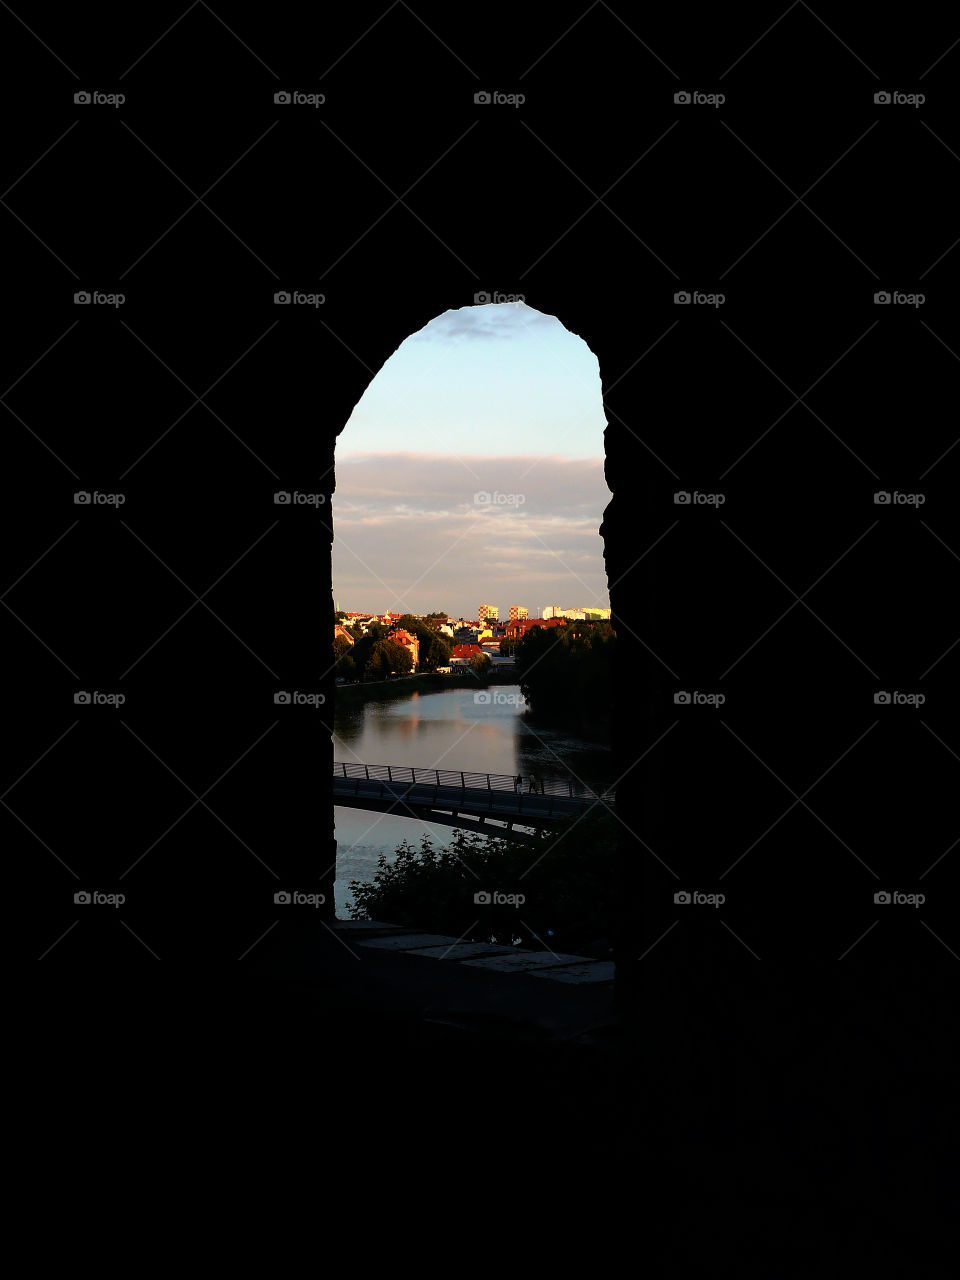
459 778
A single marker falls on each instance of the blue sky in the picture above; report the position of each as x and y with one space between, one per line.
472 469
506 378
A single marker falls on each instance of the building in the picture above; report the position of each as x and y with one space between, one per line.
517 611
488 611
341 633
409 642
461 654
552 611
518 629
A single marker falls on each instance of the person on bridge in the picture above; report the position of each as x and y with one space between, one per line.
533 785
519 785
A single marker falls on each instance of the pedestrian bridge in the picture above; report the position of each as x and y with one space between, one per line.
457 798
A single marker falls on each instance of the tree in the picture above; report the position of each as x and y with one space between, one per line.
566 673
386 657
480 664
365 642
434 649
508 646
570 891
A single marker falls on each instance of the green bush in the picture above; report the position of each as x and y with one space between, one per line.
568 881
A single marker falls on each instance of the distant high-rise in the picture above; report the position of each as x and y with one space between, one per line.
488 611
552 611
517 611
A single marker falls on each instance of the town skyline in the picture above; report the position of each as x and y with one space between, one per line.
572 612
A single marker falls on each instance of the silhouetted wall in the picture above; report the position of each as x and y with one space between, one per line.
398 198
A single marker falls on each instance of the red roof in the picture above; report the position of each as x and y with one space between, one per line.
465 651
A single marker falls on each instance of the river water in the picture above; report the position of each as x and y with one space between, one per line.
488 732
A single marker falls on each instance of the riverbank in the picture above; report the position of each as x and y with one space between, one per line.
350 694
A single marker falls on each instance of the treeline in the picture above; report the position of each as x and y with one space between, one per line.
566 674
373 656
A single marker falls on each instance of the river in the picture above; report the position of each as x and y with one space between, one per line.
483 732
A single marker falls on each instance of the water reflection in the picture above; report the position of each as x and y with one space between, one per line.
484 732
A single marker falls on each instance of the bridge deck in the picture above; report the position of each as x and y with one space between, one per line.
402 790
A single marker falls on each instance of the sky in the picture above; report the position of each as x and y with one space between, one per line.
471 470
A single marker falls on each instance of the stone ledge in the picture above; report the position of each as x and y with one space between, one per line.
570 969
588 971
523 961
461 951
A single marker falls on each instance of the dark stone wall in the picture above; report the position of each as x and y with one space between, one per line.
399 198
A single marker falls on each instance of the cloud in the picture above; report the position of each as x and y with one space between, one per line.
487 321
420 532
